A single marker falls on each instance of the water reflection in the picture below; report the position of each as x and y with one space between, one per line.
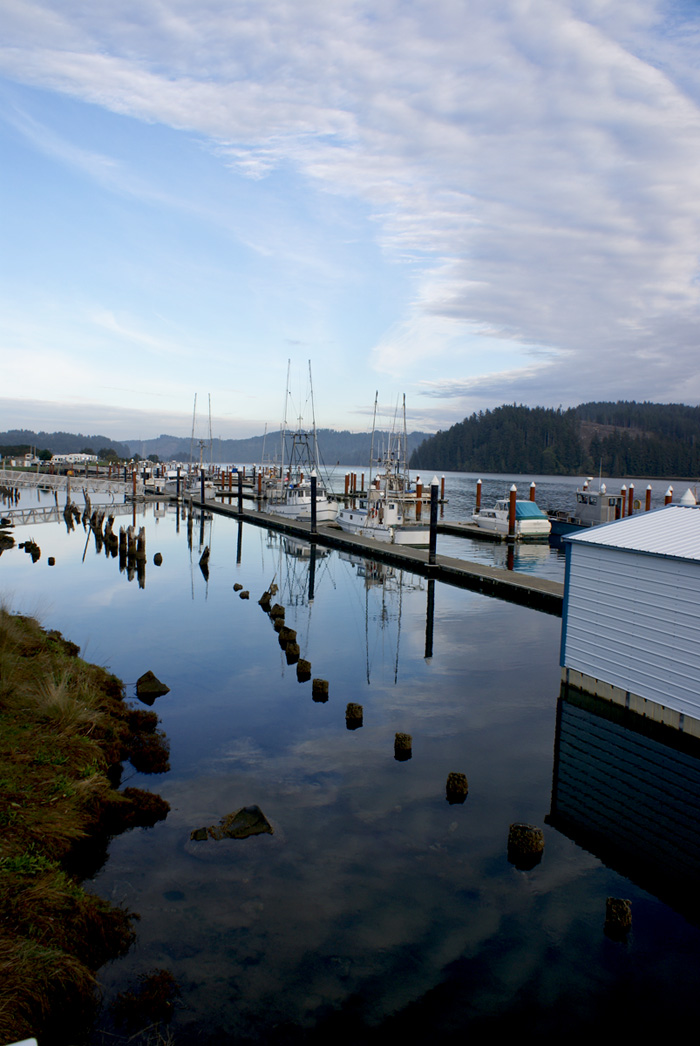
375 906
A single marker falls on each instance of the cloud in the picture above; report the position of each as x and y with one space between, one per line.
533 168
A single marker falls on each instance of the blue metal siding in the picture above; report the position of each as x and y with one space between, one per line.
633 620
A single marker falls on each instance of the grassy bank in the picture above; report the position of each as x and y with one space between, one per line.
65 729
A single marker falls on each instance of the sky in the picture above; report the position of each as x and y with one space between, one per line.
469 202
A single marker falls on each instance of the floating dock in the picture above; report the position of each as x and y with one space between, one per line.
525 589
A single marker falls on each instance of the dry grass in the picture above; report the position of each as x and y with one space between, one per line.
63 724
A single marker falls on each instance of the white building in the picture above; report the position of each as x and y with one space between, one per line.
631 620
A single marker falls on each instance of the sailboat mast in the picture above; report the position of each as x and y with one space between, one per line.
194 416
313 419
405 449
284 418
371 451
211 441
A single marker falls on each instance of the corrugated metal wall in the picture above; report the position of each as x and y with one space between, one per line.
633 620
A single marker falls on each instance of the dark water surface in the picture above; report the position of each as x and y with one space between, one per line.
375 906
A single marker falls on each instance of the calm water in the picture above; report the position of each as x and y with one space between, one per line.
375 905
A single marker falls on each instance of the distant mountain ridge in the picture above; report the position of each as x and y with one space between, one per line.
335 447
621 439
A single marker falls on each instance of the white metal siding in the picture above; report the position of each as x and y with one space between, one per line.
633 620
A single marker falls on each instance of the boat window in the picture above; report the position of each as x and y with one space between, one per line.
594 501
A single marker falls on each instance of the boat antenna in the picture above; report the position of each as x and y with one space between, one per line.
313 418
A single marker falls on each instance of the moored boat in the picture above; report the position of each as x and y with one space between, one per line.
530 521
592 508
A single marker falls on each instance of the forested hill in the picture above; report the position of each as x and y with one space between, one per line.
623 438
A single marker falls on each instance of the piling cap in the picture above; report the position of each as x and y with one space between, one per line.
514 488
435 482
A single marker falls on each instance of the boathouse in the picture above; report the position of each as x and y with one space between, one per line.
631 616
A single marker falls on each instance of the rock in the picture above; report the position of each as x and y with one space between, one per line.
525 846
149 687
456 788
249 820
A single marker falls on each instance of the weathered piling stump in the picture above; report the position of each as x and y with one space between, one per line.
319 690
618 918
264 602
131 542
157 559
292 651
353 716
525 845
273 590
403 747
277 611
303 670
456 788
245 594
51 561
278 623
141 544
287 635
237 587
204 558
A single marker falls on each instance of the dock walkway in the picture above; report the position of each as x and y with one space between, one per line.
525 589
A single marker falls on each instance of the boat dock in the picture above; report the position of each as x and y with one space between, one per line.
525 589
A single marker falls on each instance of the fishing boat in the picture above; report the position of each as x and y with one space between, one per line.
290 493
592 508
530 521
383 514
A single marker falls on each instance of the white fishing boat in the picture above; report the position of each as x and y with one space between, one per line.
290 494
383 514
530 520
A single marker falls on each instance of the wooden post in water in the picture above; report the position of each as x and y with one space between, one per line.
647 501
133 482
623 504
442 488
532 490
432 547
630 501
347 483
478 495
668 496
511 513
419 497
201 486
313 502
240 492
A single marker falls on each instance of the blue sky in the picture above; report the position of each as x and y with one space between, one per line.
470 202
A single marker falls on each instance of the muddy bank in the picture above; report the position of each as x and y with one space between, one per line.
65 731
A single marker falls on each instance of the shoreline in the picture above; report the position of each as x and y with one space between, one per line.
65 730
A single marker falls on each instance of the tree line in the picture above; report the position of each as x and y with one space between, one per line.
619 439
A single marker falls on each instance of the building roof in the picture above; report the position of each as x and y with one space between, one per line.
672 531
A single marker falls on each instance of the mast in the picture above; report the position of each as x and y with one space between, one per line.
284 418
313 420
371 451
211 441
194 415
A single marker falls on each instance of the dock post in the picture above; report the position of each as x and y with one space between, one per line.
313 501
478 495
429 619
177 486
201 485
419 497
668 496
647 502
630 502
511 513
442 487
240 493
432 548
623 503
532 490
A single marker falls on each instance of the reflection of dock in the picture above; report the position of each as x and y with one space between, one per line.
46 481
52 514
539 593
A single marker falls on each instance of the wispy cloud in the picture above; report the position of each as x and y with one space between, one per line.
531 169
